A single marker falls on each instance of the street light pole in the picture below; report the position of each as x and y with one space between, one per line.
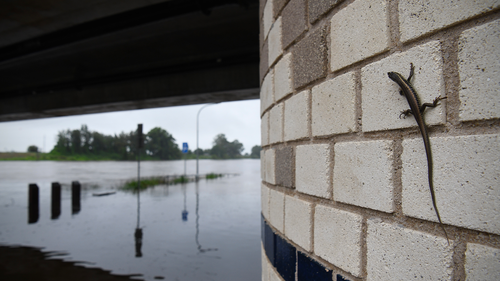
197 134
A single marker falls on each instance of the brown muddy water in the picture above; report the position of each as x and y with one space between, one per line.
206 230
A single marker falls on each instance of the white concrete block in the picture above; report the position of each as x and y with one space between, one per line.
274 42
482 263
283 77
298 221
264 129
270 166
333 106
297 116
312 169
362 174
479 68
263 164
267 17
337 238
277 209
273 275
398 253
466 181
276 124
267 91
359 31
381 102
264 200
265 264
417 18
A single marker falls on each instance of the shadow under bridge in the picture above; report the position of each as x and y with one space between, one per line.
70 57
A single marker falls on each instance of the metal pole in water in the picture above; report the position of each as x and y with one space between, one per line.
197 136
138 230
56 200
139 146
33 203
75 197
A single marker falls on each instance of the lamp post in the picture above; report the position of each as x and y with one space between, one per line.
197 133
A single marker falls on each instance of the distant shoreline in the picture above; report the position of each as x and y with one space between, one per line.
33 156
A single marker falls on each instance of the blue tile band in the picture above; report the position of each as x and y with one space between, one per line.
309 269
288 261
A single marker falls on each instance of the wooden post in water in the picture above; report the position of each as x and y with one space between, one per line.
75 197
33 203
56 200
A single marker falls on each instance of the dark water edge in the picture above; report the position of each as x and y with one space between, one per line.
29 263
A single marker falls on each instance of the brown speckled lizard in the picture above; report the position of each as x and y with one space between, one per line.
417 111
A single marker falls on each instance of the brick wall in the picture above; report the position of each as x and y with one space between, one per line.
345 194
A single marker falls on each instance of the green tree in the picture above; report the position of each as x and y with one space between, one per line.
223 149
76 141
256 151
32 148
86 139
160 144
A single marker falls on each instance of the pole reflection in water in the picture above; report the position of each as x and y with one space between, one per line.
56 201
138 230
33 203
75 197
184 212
198 224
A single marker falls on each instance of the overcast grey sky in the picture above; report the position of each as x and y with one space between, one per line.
237 120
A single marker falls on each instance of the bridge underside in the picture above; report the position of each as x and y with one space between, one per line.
171 53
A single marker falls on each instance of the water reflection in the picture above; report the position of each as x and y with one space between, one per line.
107 234
200 249
184 212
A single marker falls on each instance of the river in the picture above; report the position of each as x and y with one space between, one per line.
209 230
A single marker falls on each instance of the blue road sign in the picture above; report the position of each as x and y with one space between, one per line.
185 147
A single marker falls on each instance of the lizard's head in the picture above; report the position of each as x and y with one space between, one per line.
392 75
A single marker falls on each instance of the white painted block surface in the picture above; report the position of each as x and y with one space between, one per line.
312 169
381 102
479 68
417 18
274 42
267 17
362 174
358 31
277 209
297 116
333 106
337 238
276 124
264 129
482 263
298 221
264 200
466 181
270 166
398 253
283 77
267 91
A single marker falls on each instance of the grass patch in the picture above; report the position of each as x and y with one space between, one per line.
213 176
131 185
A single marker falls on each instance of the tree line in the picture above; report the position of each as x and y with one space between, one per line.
158 144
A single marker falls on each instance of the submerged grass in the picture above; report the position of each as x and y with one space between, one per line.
131 185
213 176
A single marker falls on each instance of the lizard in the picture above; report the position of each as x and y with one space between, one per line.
417 111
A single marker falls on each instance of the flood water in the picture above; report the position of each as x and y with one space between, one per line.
209 230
